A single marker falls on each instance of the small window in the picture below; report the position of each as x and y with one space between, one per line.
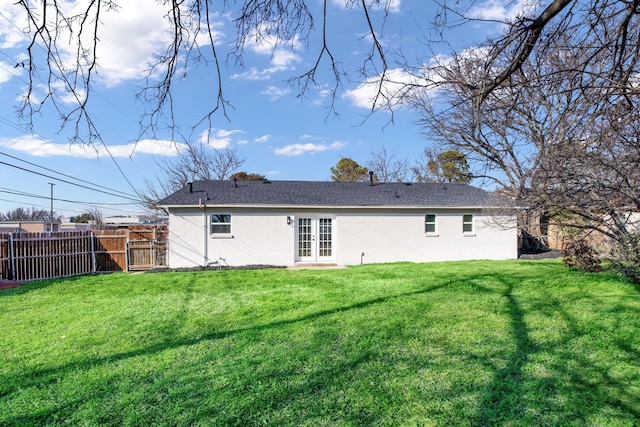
221 224
467 223
430 224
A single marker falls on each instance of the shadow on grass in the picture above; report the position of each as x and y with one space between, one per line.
34 377
503 400
36 285
575 389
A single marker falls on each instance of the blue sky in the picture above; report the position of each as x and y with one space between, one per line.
278 134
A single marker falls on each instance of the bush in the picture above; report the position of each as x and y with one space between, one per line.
578 254
626 257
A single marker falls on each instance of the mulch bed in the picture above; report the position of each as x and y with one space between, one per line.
6 284
542 255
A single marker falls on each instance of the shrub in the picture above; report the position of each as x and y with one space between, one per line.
578 254
626 257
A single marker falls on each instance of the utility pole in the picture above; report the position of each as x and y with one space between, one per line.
51 217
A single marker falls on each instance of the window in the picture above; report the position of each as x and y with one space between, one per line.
221 224
467 223
430 224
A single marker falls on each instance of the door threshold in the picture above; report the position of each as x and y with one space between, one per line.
314 265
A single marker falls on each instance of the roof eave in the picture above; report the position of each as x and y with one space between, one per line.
341 207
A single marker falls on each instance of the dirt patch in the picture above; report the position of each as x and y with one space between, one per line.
541 255
5 284
216 268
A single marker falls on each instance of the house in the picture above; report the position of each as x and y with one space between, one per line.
286 223
126 221
29 226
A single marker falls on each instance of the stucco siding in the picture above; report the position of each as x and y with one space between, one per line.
186 238
392 238
256 239
381 235
263 238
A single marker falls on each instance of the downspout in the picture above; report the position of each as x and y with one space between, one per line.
205 257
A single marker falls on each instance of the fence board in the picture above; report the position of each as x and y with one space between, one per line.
36 256
39 256
147 247
111 250
5 257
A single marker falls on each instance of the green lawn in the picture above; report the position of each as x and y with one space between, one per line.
474 343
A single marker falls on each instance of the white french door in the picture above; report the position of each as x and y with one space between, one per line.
315 239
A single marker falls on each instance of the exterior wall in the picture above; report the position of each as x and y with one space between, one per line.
30 226
256 238
391 237
265 238
185 241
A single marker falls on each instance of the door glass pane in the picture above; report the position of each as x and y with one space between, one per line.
324 237
304 237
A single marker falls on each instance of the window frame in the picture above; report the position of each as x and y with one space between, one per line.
471 223
427 223
213 223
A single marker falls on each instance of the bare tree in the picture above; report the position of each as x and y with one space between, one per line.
196 161
593 185
91 216
29 214
607 28
273 23
387 166
562 144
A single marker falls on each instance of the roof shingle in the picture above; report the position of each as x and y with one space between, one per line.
325 194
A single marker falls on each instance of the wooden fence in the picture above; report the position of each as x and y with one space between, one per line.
147 247
35 256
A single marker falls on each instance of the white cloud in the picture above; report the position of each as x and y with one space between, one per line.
216 32
129 39
399 86
501 10
263 138
282 56
396 85
218 139
392 6
253 74
146 146
275 92
130 36
8 71
283 59
40 147
308 148
10 34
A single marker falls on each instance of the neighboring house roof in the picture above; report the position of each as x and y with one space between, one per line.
329 194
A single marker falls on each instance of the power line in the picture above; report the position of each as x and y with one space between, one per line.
61 209
37 196
126 178
71 183
65 175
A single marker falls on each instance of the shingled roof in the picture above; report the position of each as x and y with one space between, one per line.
328 194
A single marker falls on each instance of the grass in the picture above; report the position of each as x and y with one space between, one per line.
475 343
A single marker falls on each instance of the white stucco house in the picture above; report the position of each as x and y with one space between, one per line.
287 223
